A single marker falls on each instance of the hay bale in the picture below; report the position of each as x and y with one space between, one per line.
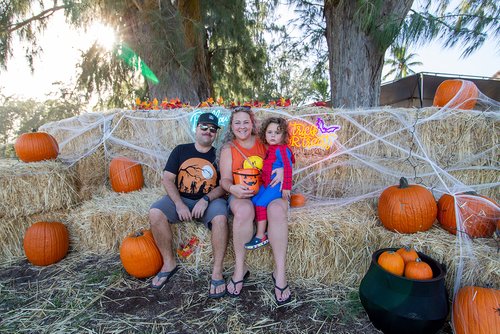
29 188
13 230
101 223
327 244
92 174
148 137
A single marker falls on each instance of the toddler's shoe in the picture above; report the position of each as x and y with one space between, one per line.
257 242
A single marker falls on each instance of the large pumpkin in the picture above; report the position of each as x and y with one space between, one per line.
46 243
479 214
36 146
407 208
461 94
139 255
125 175
476 310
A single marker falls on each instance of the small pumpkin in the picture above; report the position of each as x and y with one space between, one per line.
46 243
297 200
407 208
36 146
476 310
479 214
456 93
418 270
392 262
248 177
125 175
140 255
408 254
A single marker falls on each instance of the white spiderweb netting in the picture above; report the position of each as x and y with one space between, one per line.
447 150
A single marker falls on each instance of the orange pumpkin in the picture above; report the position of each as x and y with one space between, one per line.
392 262
408 254
479 214
248 177
418 270
140 255
46 243
407 208
461 94
297 200
476 310
36 146
125 175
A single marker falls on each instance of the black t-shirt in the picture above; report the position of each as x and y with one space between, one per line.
196 172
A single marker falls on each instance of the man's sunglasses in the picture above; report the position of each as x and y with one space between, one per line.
204 127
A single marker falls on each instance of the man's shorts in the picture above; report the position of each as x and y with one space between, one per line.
217 207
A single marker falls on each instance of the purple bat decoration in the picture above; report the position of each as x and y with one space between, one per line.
326 129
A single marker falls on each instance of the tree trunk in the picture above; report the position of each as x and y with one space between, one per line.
356 53
179 61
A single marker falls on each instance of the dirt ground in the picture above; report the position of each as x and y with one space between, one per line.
88 293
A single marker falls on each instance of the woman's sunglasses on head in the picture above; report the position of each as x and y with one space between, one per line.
204 127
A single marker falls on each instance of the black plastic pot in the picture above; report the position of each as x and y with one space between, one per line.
398 305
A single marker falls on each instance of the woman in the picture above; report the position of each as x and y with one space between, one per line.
242 142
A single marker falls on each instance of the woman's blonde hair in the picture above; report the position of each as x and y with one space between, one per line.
229 134
282 125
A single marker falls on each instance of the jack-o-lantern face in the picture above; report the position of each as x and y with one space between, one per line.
248 177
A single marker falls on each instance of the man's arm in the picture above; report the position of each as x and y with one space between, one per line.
168 182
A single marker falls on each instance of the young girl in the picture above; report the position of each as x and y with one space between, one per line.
274 132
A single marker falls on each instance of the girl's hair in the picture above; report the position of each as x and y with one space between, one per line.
282 125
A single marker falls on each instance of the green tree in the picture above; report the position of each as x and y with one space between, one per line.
19 116
400 62
194 47
359 32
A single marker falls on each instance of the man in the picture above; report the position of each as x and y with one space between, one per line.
191 180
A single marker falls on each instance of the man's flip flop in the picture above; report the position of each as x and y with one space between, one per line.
235 295
216 283
162 274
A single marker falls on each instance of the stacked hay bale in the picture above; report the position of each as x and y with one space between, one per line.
81 142
330 240
149 138
29 193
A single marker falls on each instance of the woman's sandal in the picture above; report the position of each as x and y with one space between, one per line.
235 295
282 302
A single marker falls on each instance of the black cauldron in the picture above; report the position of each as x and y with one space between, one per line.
398 305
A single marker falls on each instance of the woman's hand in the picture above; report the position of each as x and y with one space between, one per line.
278 178
240 191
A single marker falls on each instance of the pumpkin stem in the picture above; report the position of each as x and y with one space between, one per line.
403 183
472 192
138 233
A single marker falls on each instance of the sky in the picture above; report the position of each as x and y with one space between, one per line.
63 46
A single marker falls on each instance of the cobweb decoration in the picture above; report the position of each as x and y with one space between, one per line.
447 150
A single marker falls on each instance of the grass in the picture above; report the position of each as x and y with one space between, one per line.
89 293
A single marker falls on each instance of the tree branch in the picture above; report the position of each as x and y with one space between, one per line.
46 13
